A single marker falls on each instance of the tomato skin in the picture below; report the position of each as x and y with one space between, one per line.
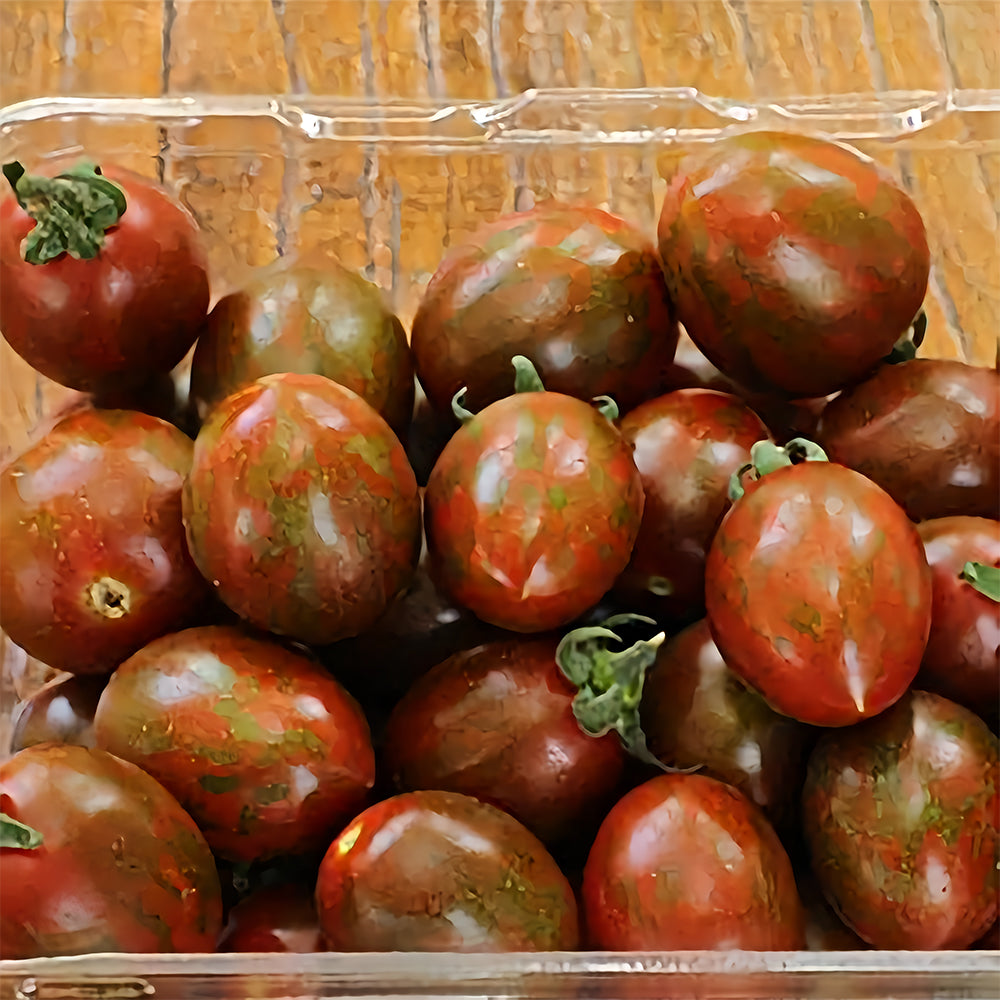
265 750
302 508
96 503
796 263
686 445
497 722
578 291
436 871
685 862
128 313
60 712
532 510
275 918
121 868
943 416
818 594
904 877
301 318
962 659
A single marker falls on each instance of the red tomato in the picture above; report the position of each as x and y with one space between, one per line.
819 595
497 722
121 866
274 918
131 310
266 750
685 862
60 712
436 871
93 559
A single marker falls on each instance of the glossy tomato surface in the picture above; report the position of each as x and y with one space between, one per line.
927 431
532 510
129 312
497 722
300 318
578 291
266 750
302 508
819 595
686 445
93 559
686 862
697 713
60 712
121 866
901 815
278 917
436 871
796 263
962 659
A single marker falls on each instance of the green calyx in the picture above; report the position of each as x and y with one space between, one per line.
72 211
610 681
985 579
526 377
766 457
462 415
17 835
905 349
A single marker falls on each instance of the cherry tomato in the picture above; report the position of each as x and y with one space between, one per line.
266 750
901 815
302 508
436 871
114 307
120 866
686 862
497 722
274 918
93 560
60 712
796 263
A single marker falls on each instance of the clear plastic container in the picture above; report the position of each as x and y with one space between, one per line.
386 188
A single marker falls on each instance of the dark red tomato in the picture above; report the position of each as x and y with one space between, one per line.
577 291
497 722
302 508
121 866
990 941
686 445
265 749
901 815
685 862
93 560
927 431
60 712
300 318
962 659
696 711
532 510
274 918
436 871
825 931
130 310
819 595
796 263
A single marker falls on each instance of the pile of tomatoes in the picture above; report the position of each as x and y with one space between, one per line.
643 597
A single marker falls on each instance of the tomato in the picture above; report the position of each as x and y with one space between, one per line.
60 712
576 290
110 309
302 508
825 931
266 750
943 416
274 918
901 815
120 867
696 711
300 318
796 263
93 560
685 862
532 510
686 445
436 871
818 593
497 722
962 659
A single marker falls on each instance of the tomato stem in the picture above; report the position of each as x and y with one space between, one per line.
461 413
985 579
18 835
767 457
607 407
905 349
526 377
72 211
